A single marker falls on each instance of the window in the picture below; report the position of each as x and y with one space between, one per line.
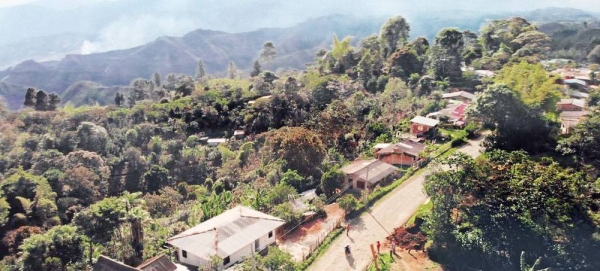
270 234
184 253
226 260
421 128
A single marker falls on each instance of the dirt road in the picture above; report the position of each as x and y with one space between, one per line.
388 213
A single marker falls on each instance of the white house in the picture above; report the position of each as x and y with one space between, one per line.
232 235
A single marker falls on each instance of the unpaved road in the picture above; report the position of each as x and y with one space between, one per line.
388 213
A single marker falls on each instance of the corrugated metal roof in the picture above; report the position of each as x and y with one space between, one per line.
227 233
158 263
425 121
576 102
375 170
406 146
464 94
107 264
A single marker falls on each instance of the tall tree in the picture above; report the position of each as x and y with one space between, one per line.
157 80
255 69
119 99
41 101
393 35
30 97
231 70
516 125
445 57
200 71
268 53
53 101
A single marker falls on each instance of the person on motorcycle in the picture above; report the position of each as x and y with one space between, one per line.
348 250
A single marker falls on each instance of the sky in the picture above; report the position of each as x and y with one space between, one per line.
127 23
381 6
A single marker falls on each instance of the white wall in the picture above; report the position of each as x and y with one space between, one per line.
241 254
191 259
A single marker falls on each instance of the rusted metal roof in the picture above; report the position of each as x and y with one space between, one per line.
158 263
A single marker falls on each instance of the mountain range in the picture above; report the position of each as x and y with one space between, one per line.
296 46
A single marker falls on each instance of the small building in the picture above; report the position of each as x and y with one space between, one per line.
216 141
405 153
239 134
463 96
366 174
570 105
420 125
232 235
570 119
576 83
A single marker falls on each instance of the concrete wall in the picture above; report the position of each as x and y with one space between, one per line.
243 253
418 129
397 159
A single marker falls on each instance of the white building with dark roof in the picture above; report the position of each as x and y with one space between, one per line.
232 235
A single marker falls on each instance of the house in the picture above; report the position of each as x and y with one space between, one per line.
577 94
453 112
216 141
405 153
569 119
576 83
463 96
232 235
158 263
420 125
239 134
366 174
570 105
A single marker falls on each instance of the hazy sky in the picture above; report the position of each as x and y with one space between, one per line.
128 23
383 6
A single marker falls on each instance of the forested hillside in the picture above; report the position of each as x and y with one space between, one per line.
120 179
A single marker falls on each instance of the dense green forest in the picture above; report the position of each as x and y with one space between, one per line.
119 180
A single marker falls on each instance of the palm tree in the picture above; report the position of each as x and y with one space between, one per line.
136 216
525 267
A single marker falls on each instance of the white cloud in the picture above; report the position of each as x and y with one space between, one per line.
129 32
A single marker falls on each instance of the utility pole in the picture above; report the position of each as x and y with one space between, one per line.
374 257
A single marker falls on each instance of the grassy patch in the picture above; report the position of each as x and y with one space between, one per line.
384 261
324 246
423 211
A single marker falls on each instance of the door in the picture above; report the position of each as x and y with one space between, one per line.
257 245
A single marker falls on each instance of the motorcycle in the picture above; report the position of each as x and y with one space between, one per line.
347 249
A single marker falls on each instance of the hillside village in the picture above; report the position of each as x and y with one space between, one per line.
481 137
